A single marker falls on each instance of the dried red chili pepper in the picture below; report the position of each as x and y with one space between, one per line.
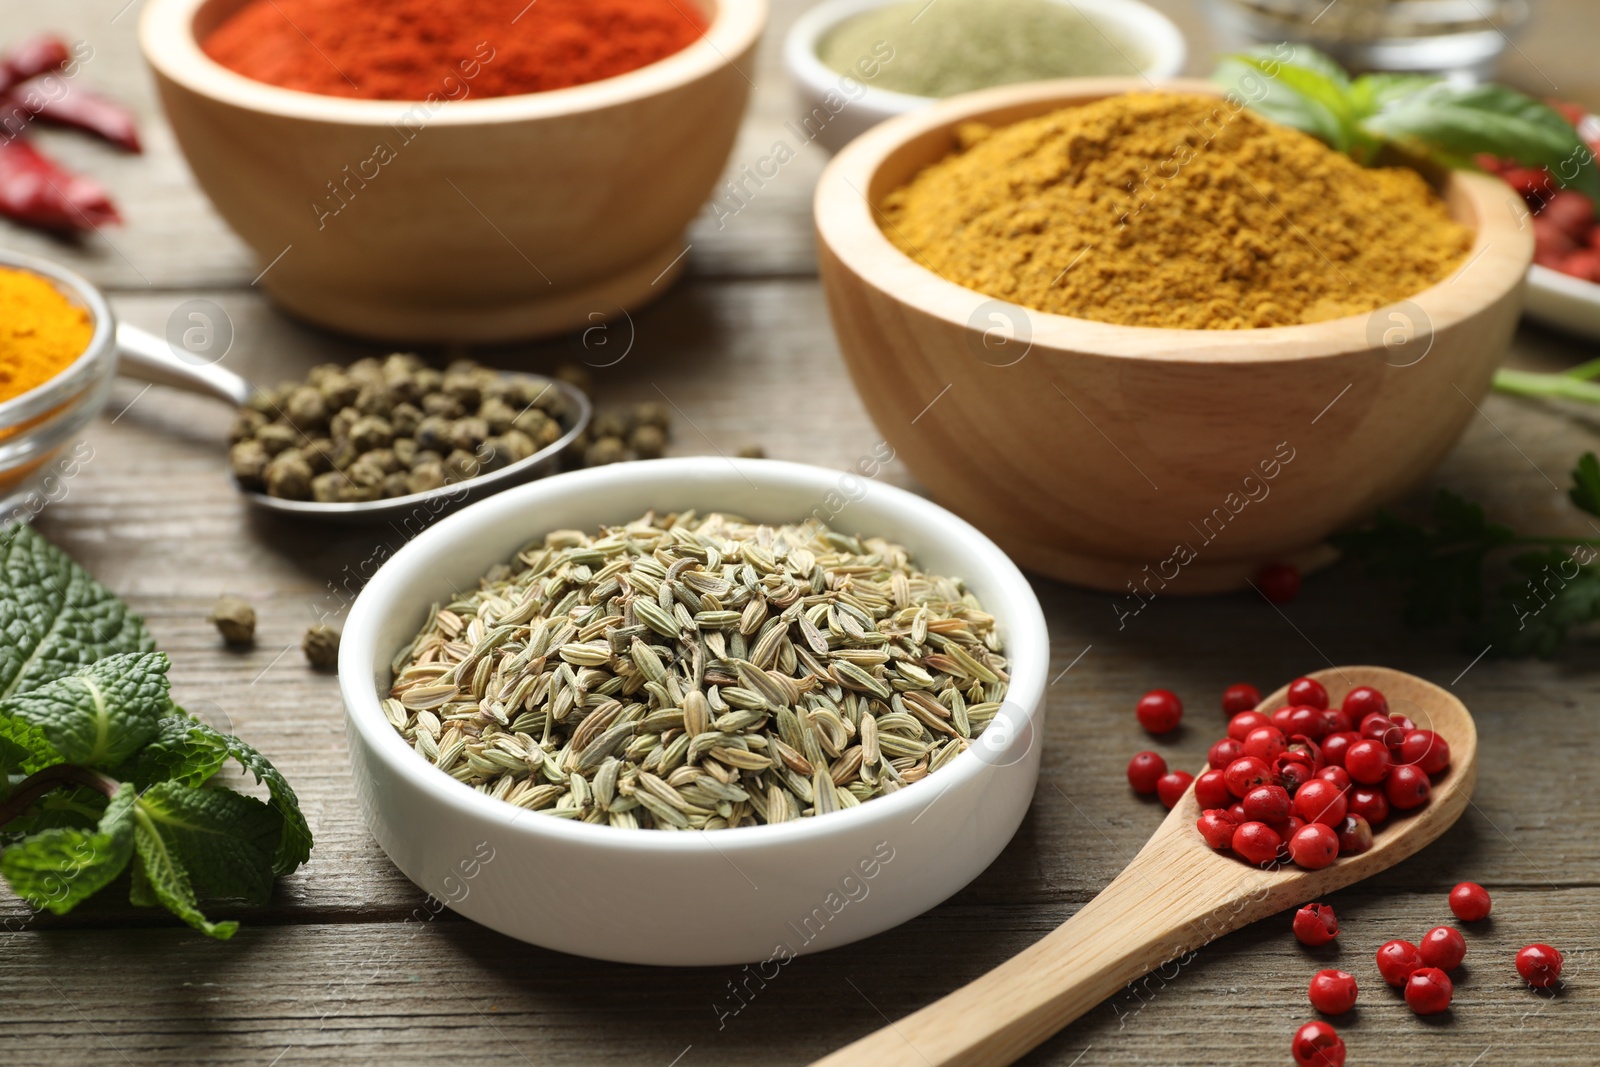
31 58
34 189
76 108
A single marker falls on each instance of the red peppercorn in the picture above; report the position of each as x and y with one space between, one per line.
1314 846
1308 691
1316 1044
1427 750
1407 787
1338 776
1257 843
1265 743
1336 744
1245 773
1145 770
1539 965
1362 701
1443 947
1315 924
1280 718
1382 728
1223 753
1470 902
1428 991
1279 582
1236 809
1367 761
1267 803
1171 786
1293 773
1241 696
1211 790
1307 721
1160 711
1402 721
1334 721
1396 960
1217 825
1321 801
1240 725
1332 992
1370 804
1355 836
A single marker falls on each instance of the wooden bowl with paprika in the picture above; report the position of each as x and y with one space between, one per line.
1147 459
477 211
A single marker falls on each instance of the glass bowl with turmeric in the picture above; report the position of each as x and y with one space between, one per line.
57 362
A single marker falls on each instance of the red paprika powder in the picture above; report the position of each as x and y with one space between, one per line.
449 49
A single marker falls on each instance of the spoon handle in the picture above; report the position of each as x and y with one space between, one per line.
1169 901
148 358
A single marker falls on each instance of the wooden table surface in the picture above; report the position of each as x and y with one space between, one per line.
338 970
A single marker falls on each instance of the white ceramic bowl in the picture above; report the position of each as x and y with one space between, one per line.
1562 301
819 86
690 898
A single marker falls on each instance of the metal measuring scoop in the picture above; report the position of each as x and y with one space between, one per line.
150 358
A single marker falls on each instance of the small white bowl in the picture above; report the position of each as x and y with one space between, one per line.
820 88
690 898
1562 301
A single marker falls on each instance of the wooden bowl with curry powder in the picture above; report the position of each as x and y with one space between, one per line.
1148 459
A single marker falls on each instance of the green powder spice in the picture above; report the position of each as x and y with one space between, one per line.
955 46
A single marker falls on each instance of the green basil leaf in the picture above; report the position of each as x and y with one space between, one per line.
54 618
104 713
58 869
1310 100
1371 93
1454 124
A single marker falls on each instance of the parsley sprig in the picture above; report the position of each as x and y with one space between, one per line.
1516 595
101 773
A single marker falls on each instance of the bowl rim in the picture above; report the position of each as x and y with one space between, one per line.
1169 49
846 231
71 381
1025 629
169 45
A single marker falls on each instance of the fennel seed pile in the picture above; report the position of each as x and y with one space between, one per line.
699 672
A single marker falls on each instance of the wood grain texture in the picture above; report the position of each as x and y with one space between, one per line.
333 971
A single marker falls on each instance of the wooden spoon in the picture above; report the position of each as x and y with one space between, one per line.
1176 895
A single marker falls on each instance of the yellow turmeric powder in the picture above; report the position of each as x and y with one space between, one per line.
1165 209
41 332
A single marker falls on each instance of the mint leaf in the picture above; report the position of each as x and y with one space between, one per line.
183 750
58 869
1452 124
161 878
54 618
72 807
24 748
224 840
1585 492
104 713
294 846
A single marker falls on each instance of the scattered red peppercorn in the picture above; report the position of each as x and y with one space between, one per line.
1427 750
1367 761
1145 770
1245 773
1265 743
1320 801
1316 1044
1257 843
1362 701
1160 711
1443 947
1267 803
1396 960
1223 753
1211 790
1539 965
1355 836
1332 992
1428 991
1470 902
1314 846
1308 691
1240 725
1217 826
1370 804
1171 786
1279 582
1241 696
1407 787
1315 924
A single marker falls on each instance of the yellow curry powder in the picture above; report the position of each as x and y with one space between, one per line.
1160 209
41 332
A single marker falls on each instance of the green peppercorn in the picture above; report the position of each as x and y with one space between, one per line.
320 453
605 450
405 418
468 433
405 450
339 425
288 476
321 646
307 409
327 488
395 484
234 619
647 442
443 405
576 376
752 452
277 436
461 465
374 399
497 415
246 422
370 432
651 414
609 424
249 460
428 474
